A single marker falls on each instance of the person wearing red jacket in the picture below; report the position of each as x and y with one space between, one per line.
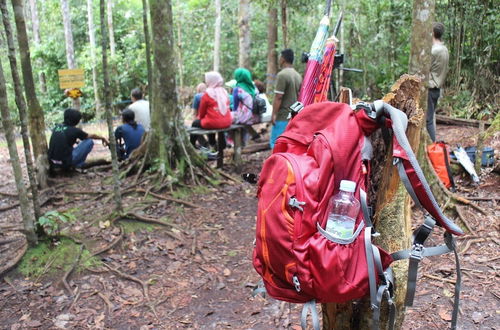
214 111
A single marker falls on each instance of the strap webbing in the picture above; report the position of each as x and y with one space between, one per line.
450 242
364 208
310 306
406 181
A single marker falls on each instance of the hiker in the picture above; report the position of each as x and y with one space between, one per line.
265 117
439 69
61 151
285 94
243 95
214 111
129 135
140 107
200 90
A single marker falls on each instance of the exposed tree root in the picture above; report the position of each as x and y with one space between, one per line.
469 243
138 217
227 176
439 278
167 198
111 245
68 273
19 253
463 219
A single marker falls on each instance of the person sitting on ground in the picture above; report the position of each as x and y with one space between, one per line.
214 112
129 135
200 90
140 107
266 116
64 136
243 95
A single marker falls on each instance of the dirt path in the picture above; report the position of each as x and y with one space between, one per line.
198 274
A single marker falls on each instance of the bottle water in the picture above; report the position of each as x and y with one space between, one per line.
344 209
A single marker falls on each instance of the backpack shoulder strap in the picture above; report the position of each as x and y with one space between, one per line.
409 165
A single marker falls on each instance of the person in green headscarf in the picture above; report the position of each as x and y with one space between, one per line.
243 95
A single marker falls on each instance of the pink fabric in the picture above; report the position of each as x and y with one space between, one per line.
215 90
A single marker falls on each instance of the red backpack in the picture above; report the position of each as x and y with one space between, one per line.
298 260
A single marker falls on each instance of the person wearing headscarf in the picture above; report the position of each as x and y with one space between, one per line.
129 135
214 111
243 95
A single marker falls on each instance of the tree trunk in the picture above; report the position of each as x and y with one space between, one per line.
68 38
169 145
35 112
107 104
244 34
218 23
35 25
28 219
284 24
272 54
421 44
93 57
21 106
112 44
148 44
180 63
392 213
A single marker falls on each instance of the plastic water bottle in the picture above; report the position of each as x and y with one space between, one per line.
344 209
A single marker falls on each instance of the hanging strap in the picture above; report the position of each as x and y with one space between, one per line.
448 168
310 306
418 252
406 181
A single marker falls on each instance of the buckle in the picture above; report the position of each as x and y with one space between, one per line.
294 202
296 282
367 108
417 252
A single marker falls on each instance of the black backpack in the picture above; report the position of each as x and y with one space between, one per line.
259 105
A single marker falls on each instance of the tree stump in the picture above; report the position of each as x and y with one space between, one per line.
392 212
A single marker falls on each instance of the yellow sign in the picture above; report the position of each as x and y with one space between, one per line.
71 78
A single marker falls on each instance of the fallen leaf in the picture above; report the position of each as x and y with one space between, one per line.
444 314
33 324
104 224
227 272
477 317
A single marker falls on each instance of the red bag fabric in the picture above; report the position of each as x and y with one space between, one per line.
320 147
436 152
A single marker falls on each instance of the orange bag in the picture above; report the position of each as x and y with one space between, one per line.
438 153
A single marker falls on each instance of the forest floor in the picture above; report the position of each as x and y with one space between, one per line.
195 271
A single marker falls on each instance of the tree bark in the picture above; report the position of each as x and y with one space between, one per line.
28 219
169 146
272 54
112 44
421 44
21 106
148 44
218 23
35 112
284 23
93 57
68 38
392 213
107 104
244 34
35 25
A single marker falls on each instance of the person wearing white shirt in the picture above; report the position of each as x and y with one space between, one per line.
140 107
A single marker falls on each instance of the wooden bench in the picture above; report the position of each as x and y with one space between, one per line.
237 129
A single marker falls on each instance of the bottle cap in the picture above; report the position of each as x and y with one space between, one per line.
349 186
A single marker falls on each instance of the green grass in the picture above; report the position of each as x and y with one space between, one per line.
130 226
48 258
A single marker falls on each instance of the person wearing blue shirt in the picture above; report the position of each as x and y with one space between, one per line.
128 135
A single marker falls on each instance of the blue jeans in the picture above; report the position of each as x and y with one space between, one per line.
81 151
278 128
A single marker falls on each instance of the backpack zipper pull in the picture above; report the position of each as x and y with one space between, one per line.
294 202
296 283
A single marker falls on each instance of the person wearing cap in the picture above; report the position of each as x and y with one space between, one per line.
62 152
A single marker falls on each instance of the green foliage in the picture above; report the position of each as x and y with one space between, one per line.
49 258
51 221
376 40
